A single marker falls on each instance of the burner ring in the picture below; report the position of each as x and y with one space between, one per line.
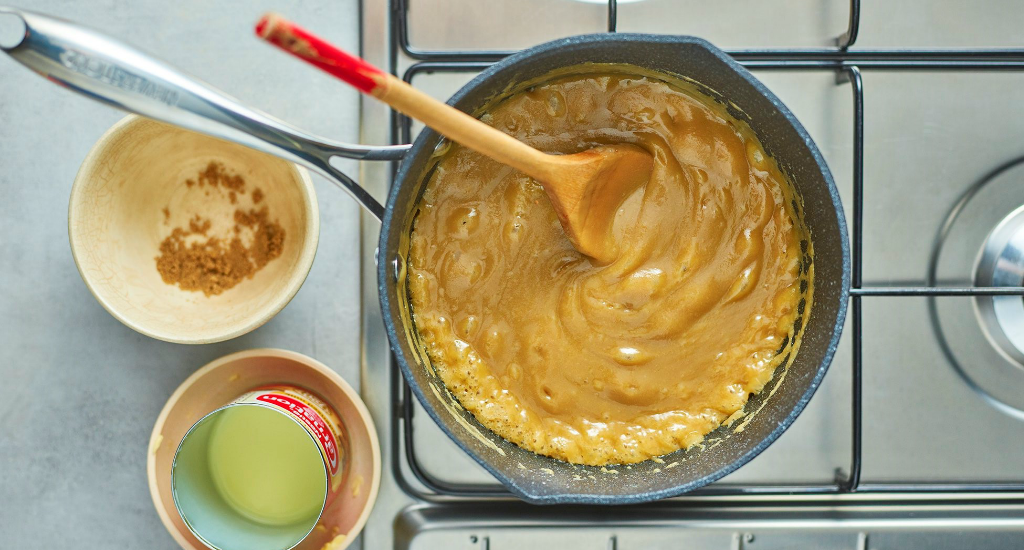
983 338
1001 263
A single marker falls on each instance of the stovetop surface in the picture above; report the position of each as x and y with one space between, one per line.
472 25
929 135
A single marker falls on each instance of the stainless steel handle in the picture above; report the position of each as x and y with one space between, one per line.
108 71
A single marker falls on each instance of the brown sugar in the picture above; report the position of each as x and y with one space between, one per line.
212 264
215 175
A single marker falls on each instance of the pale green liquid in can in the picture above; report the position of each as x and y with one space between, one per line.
266 466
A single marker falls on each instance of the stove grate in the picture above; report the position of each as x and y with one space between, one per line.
847 66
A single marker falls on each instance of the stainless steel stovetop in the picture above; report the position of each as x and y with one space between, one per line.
916 436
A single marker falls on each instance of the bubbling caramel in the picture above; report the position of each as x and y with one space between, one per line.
618 363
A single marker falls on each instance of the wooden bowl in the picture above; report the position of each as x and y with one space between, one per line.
220 382
117 220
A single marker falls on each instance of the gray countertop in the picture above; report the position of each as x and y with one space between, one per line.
79 392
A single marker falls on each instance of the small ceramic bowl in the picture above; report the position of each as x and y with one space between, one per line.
129 195
223 380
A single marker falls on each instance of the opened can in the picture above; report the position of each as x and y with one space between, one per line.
257 473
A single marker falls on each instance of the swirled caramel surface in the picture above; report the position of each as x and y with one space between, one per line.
617 363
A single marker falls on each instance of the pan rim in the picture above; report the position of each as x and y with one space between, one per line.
428 138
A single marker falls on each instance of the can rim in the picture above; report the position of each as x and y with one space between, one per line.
177 450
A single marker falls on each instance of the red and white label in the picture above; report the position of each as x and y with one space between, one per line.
312 419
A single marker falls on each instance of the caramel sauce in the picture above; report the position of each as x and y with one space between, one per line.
617 363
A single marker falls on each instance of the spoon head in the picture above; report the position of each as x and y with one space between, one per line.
590 196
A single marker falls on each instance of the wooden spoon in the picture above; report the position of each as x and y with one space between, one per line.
585 188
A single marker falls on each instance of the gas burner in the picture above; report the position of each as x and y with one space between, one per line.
986 346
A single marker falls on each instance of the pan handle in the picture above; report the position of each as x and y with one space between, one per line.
96 66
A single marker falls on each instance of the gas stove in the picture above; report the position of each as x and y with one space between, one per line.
914 438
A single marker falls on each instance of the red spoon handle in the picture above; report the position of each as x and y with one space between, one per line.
447 120
306 46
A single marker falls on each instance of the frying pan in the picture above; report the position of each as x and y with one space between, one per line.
92 64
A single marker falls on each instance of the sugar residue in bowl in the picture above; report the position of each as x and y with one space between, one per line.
195 259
